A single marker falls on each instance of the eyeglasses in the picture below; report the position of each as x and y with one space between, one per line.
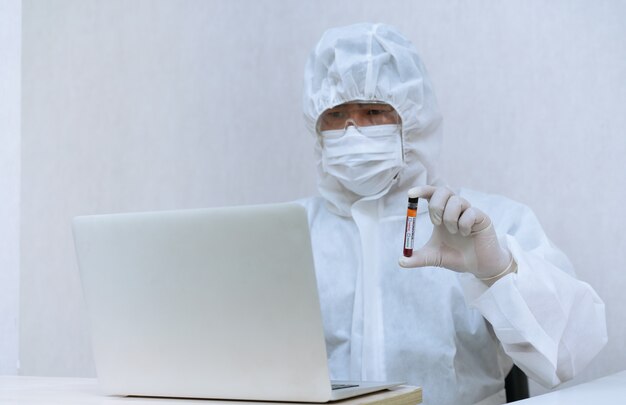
361 114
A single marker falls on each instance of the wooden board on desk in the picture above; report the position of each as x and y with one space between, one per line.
402 395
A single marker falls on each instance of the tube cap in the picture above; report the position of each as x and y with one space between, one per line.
413 199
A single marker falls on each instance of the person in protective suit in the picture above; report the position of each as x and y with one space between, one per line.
492 290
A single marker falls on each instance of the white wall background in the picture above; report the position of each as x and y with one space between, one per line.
160 104
10 48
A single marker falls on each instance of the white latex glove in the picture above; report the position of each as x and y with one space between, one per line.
463 239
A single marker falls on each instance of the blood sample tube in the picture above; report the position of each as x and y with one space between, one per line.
409 230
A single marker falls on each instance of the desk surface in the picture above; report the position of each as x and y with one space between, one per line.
610 390
17 390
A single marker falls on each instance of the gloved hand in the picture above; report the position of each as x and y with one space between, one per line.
463 238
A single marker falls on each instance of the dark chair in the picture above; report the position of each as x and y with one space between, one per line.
516 385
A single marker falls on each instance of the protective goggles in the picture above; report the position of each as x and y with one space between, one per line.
359 113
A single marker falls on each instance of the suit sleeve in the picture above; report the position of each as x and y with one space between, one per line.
550 323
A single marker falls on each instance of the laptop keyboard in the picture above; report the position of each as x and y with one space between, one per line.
341 386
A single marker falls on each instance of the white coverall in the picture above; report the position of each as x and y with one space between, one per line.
444 331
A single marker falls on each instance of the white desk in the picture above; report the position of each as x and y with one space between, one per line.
610 390
16 390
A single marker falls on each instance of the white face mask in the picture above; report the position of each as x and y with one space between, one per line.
363 160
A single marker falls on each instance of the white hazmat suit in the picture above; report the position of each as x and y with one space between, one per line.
445 331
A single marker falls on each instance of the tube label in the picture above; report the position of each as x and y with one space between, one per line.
410 232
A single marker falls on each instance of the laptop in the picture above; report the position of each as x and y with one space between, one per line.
208 303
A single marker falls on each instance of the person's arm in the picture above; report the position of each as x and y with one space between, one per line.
551 324
548 322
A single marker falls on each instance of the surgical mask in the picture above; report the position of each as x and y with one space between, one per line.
364 160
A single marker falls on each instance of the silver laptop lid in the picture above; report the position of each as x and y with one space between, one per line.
208 303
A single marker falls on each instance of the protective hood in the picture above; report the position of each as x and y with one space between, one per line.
374 62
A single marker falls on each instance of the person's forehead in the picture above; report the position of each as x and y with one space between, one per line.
354 105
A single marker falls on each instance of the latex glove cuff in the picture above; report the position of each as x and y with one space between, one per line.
511 268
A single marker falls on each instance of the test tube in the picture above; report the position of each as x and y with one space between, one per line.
409 230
